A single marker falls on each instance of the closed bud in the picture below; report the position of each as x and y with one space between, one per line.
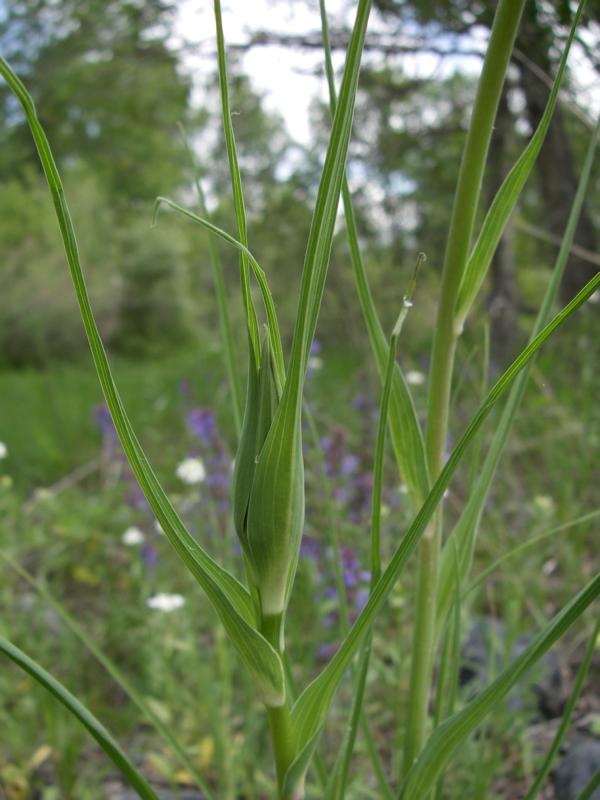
262 398
276 510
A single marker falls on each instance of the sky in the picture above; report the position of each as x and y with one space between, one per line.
282 74
286 76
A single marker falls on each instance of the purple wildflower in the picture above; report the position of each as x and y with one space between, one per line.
360 599
150 556
349 464
326 651
104 422
202 423
310 547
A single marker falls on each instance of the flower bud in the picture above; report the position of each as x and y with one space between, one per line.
262 398
269 484
276 510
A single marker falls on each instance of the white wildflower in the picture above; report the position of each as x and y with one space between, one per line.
415 378
158 527
132 537
191 471
165 602
42 495
544 503
3 450
315 363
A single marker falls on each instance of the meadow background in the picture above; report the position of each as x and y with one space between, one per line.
113 86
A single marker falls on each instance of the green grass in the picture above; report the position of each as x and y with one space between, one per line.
47 415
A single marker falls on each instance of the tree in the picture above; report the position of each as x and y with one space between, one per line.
543 26
107 88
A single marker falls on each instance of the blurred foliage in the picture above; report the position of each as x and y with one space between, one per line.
108 89
111 91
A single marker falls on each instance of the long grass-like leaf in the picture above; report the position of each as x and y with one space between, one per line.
113 670
588 790
94 726
467 527
405 431
452 733
320 237
567 714
223 308
527 545
229 598
276 508
508 194
258 271
339 780
236 183
310 710
344 626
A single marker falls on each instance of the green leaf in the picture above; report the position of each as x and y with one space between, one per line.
112 670
276 509
98 731
529 543
229 598
588 790
258 271
466 530
223 309
336 789
320 237
452 733
311 708
507 196
236 183
565 721
405 431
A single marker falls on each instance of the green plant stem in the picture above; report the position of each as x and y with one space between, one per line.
365 655
280 723
466 529
506 22
283 741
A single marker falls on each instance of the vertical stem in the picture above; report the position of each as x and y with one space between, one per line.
280 723
504 30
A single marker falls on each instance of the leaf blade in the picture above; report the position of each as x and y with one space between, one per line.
310 709
229 598
87 719
508 194
449 735
405 431
113 670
